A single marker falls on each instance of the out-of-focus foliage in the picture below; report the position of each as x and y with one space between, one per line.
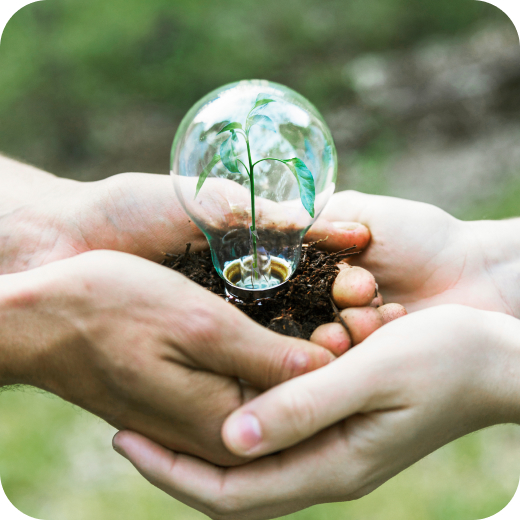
72 70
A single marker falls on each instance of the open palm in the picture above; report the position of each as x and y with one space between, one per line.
420 255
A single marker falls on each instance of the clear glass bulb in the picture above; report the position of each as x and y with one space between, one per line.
261 138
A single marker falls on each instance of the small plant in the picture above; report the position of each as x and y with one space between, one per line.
230 159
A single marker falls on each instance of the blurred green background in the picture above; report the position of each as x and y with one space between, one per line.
423 101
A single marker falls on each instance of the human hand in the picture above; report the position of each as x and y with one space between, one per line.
142 347
47 218
421 256
366 417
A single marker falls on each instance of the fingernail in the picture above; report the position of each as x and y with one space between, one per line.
244 433
118 449
347 226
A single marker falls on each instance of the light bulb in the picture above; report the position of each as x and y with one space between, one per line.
253 164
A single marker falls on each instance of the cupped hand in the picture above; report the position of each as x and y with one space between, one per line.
359 421
135 213
421 256
142 347
44 218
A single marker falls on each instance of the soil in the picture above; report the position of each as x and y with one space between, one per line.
305 303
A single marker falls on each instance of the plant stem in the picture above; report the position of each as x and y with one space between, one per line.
269 159
245 167
253 216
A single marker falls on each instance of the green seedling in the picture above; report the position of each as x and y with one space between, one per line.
231 160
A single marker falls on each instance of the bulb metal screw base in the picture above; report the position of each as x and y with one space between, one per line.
251 295
280 272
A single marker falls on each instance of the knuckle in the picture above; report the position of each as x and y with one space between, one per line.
203 325
295 362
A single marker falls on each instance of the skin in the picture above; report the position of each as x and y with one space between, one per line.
391 311
333 336
361 322
128 340
416 383
44 218
141 347
421 256
391 414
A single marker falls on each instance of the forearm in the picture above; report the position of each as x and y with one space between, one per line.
22 183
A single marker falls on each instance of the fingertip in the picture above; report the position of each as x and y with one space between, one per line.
118 443
242 433
333 337
391 312
339 235
311 357
361 322
348 234
354 287
128 443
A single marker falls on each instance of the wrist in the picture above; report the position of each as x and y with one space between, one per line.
496 247
42 229
503 353
35 330
19 348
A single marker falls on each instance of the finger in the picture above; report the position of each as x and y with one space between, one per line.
267 488
188 479
265 358
378 301
391 311
354 287
299 408
338 235
361 322
332 336
221 339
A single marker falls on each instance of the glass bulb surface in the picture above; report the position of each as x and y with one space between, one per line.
254 137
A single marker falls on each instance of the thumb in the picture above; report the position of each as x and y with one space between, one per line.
298 409
341 223
338 235
215 336
260 356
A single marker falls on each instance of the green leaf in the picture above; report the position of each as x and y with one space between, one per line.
262 100
205 172
231 126
264 121
228 153
305 183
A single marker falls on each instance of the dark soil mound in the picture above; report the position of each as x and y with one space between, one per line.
298 310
